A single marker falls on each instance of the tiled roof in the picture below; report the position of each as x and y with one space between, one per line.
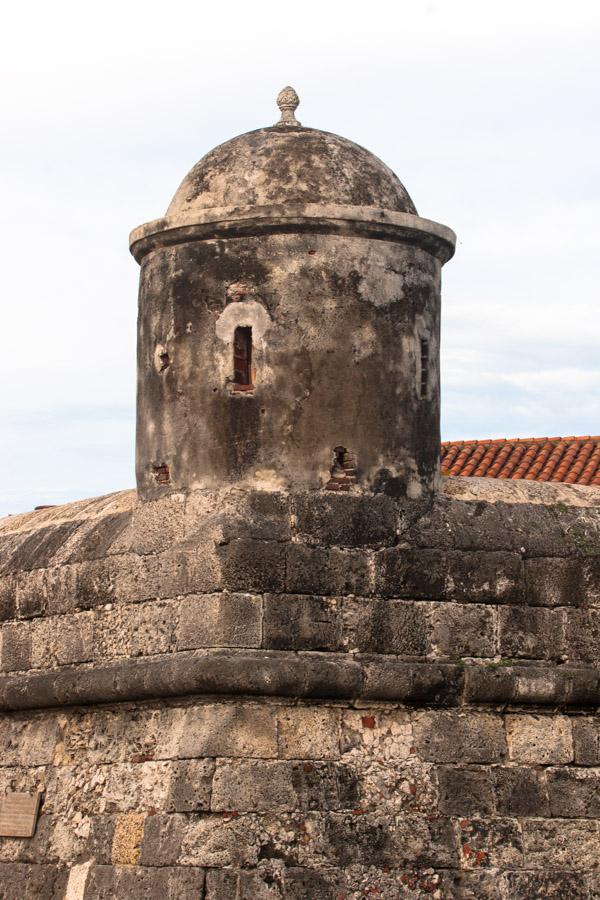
573 460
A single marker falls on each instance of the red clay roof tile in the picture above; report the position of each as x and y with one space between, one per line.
573 460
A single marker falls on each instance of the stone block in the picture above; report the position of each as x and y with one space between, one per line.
463 630
355 840
74 639
552 844
44 640
8 597
195 570
47 591
549 885
539 739
127 839
248 565
425 840
582 636
26 881
15 652
248 730
300 883
253 786
240 885
531 632
574 793
266 517
417 574
314 570
143 883
586 740
301 622
158 525
219 841
150 627
308 732
96 536
116 579
465 791
554 581
520 791
454 737
30 740
453 524
219 620
467 577
491 842
335 520
387 626
190 787
162 839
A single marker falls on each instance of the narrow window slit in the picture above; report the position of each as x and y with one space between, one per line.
242 358
424 367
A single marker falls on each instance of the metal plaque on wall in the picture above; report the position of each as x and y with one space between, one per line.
19 814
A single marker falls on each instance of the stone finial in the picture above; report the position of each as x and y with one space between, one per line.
288 102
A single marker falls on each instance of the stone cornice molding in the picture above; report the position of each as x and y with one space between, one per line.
359 221
319 676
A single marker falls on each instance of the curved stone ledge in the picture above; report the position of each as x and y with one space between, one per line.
306 676
369 222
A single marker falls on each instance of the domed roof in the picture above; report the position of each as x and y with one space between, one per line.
288 164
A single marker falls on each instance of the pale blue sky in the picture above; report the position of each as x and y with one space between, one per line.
487 112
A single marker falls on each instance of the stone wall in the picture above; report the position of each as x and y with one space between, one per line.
247 695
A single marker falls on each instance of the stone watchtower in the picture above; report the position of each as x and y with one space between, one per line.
289 318
287 667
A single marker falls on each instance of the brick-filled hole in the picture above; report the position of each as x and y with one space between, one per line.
161 474
242 358
424 380
343 470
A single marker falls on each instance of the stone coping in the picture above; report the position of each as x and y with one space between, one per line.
231 222
317 676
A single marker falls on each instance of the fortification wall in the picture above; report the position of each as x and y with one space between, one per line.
248 695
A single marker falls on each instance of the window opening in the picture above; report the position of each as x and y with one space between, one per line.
242 358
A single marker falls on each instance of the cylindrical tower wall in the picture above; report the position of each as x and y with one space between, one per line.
336 337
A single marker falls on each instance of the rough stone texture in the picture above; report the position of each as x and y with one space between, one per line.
248 170
238 694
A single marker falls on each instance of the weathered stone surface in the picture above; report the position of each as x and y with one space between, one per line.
249 565
490 577
586 740
219 620
314 570
357 780
300 622
460 630
387 626
465 791
334 520
457 737
539 739
524 631
560 844
520 791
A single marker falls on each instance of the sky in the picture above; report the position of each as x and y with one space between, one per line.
487 111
